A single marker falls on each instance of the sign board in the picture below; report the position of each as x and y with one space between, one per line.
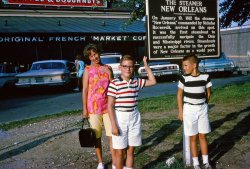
178 27
70 3
47 38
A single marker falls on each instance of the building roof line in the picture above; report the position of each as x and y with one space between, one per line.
54 13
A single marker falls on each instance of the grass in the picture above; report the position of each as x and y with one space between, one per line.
162 132
162 137
233 94
229 94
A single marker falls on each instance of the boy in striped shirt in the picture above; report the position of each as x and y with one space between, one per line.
194 91
123 112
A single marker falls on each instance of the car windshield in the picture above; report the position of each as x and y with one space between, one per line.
107 60
152 63
222 57
48 65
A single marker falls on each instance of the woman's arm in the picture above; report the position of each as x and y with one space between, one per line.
85 83
111 75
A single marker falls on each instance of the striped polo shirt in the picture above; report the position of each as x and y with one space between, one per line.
194 88
125 93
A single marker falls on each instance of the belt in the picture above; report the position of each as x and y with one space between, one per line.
131 110
195 104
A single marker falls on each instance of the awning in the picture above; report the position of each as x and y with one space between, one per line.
15 29
15 24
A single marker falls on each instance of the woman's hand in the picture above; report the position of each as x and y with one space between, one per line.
85 114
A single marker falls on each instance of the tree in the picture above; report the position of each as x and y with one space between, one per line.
137 8
234 11
230 10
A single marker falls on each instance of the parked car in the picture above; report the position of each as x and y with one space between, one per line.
7 76
49 73
220 65
113 60
160 68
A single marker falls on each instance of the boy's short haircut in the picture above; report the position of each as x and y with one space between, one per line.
127 57
191 57
89 48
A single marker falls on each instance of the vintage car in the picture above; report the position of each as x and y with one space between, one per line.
113 60
221 65
49 73
7 76
160 68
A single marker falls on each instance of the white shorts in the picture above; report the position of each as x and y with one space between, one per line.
129 124
195 118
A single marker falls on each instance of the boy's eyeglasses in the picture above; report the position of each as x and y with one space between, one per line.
127 67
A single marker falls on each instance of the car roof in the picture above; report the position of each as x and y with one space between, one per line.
110 55
49 61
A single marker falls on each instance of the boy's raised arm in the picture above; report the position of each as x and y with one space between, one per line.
151 78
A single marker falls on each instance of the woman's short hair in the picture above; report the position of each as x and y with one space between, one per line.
89 48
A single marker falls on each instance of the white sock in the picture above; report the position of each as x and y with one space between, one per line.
205 159
195 161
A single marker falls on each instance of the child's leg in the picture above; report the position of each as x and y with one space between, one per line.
112 151
204 127
203 144
130 157
204 147
193 148
119 158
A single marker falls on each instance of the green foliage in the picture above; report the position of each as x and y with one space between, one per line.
230 10
137 8
234 11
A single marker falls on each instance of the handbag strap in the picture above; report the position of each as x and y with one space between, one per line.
86 120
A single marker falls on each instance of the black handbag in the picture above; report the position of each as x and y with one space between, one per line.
87 136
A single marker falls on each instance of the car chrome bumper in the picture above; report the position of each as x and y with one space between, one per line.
158 74
41 84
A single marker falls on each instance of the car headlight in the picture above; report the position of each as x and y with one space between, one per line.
57 78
